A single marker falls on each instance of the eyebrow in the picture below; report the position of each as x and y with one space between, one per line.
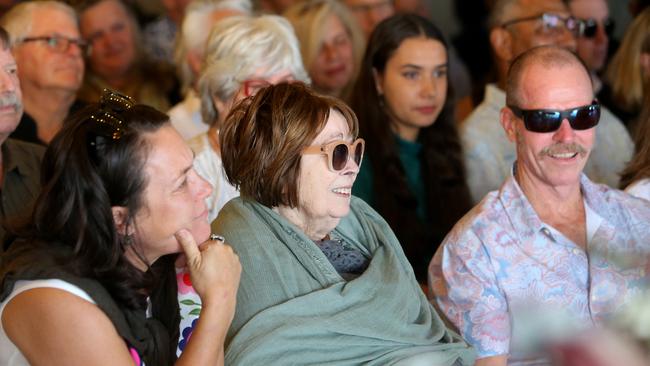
446 64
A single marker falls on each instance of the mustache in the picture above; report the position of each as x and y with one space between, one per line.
562 148
11 100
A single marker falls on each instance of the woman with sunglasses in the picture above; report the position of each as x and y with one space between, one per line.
413 175
90 279
243 54
326 281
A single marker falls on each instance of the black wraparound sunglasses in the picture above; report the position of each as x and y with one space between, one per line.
549 120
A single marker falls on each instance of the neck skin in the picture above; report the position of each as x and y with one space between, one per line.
48 107
402 130
559 206
213 139
119 82
407 133
331 92
314 230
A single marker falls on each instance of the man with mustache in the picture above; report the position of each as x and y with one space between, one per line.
19 161
517 26
49 52
550 242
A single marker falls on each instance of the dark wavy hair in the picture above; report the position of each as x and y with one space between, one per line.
442 166
84 174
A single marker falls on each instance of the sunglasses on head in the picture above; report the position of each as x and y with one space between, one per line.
589 27
548 120
339 152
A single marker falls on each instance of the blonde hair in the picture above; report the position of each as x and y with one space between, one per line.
309 19
624 73
192 34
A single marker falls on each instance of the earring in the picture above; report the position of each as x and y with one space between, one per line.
128 240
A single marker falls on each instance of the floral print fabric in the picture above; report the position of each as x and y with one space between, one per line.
190 307
501 257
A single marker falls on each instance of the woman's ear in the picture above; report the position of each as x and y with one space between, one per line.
121 220
379 81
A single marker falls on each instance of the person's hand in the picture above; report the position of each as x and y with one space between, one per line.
214 269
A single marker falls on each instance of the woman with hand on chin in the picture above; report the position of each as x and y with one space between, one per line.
90 280
326 281
413 175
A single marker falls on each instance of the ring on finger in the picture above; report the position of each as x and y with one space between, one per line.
217 237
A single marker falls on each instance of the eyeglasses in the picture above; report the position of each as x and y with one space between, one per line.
548 120
59 44
338 153
589 27
550 22
107 121
252 86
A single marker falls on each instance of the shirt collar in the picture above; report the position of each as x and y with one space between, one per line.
9 163
523 216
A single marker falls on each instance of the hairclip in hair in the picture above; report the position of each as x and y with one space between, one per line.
109 122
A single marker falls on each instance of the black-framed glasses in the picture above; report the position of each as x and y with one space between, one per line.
550 22
549 120
589 27
107 123
338 153
59 44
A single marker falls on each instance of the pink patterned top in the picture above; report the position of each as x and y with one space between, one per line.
501 258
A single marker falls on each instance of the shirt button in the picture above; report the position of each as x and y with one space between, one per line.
576 251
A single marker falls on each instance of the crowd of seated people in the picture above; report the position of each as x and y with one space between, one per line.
248 182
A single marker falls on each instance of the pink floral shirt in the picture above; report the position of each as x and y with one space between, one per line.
501 256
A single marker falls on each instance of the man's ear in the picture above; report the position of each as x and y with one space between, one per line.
509 123
379 81
120 218
501 42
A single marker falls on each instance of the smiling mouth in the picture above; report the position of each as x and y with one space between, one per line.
343 191
564 156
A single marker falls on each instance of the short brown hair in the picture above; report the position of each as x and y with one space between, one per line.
263 138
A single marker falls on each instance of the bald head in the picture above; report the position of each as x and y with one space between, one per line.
546 57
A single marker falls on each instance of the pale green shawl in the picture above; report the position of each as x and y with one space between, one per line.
294 308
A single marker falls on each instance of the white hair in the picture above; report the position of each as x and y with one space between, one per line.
193 33
240 46
18 20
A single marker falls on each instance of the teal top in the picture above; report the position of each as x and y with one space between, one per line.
409 156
